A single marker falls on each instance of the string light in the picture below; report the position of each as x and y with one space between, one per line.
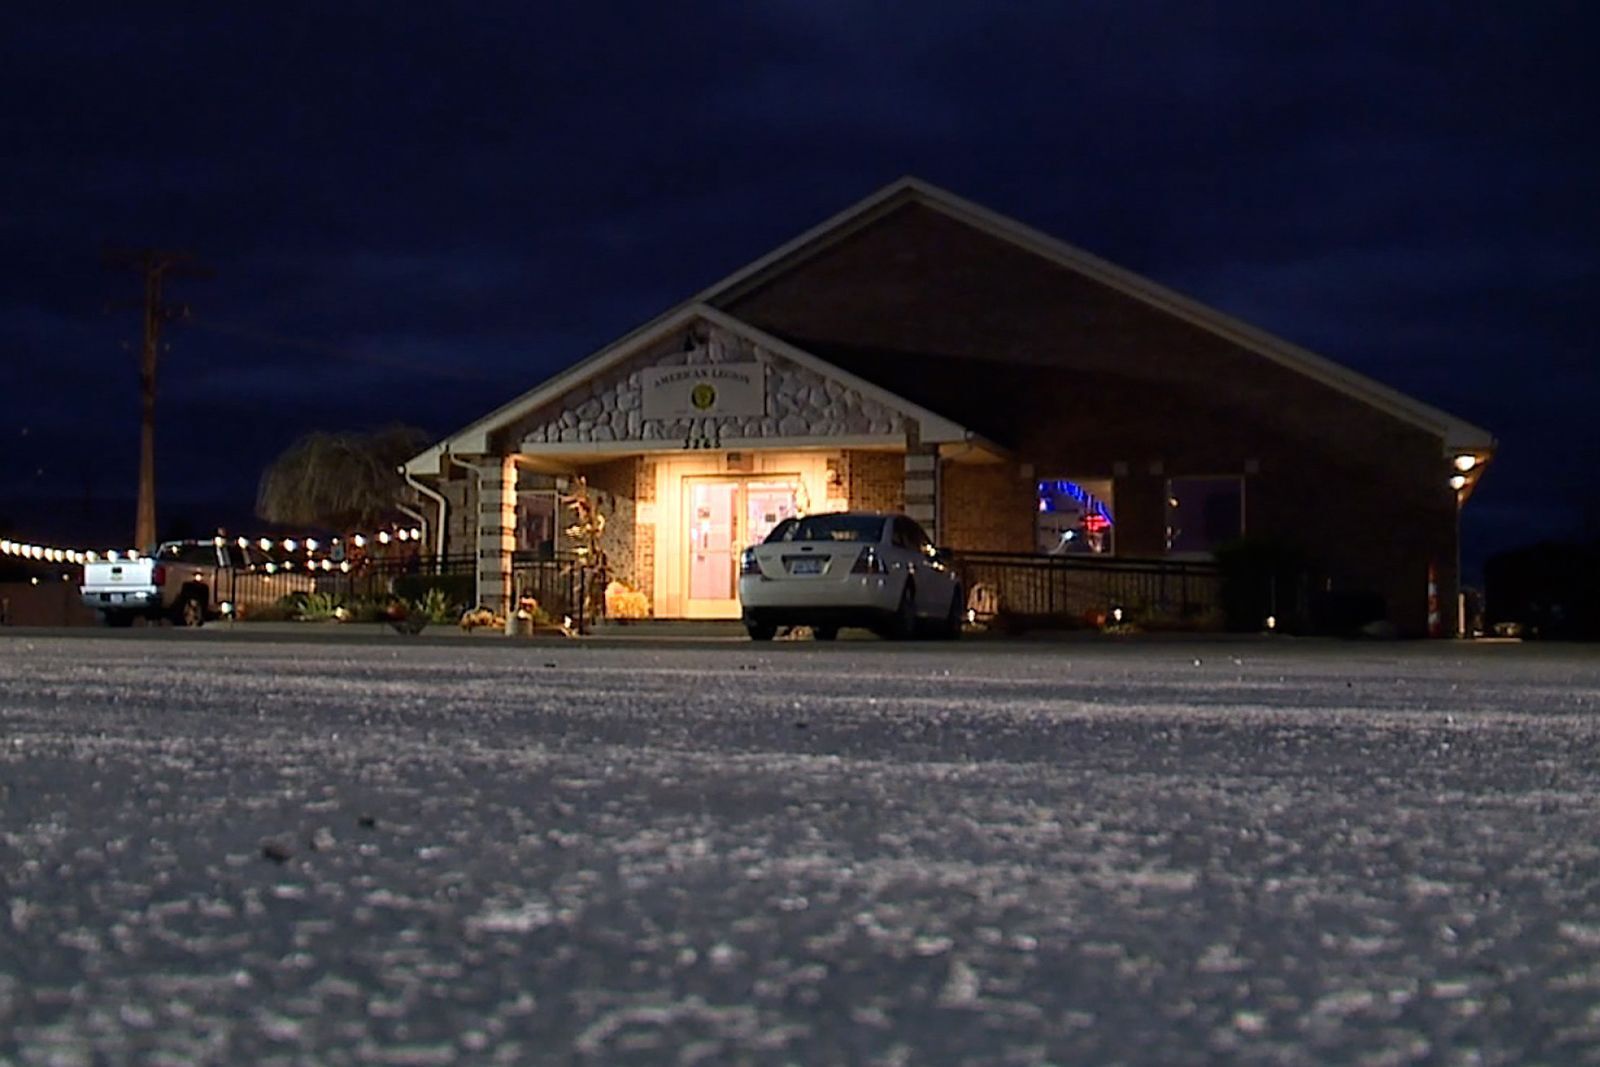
78 556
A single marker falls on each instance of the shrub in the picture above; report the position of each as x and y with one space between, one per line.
1261 576
456 588
319 607
436 606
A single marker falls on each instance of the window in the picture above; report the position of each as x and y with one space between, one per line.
835 526
910 536
1074 517
1203 513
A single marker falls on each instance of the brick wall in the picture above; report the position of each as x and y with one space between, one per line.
986 506
875 481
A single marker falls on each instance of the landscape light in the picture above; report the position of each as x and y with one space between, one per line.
1465 462
1116 614
1272 622
226 607
1457 481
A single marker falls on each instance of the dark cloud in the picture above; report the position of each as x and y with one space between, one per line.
416 212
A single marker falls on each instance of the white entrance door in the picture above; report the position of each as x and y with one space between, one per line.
725 515
712 510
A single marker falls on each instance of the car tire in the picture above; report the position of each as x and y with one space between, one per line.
953 619
825 633
904 626
760 631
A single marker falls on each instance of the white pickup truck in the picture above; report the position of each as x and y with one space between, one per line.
184 581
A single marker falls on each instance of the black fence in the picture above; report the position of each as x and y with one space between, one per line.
559 585
1087 590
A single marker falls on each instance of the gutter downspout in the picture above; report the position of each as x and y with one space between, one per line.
437 498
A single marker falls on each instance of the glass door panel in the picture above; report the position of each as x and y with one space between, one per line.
712 510
766 505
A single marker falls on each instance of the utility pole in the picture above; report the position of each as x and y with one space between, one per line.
156 266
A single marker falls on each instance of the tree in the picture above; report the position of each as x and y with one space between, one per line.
340 481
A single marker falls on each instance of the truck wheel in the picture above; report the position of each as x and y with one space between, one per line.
190 611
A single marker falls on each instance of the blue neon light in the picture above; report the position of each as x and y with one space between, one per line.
1049 490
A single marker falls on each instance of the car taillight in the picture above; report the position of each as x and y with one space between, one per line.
747 562
158 575
869 563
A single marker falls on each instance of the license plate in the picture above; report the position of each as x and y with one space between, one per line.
806 566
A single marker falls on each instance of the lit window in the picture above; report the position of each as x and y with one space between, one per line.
1203 514
1074 517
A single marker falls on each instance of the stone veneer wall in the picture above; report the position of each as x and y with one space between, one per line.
799 402
613 487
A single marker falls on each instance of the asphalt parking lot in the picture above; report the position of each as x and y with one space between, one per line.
390 851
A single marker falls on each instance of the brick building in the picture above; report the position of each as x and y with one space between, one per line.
918 352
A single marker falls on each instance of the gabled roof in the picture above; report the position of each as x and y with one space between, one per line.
1457 434
474 438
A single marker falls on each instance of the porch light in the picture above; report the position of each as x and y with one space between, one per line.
1465 462
1457 481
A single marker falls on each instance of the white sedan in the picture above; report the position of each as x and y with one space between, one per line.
849 568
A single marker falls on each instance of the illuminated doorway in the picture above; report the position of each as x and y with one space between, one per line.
724 516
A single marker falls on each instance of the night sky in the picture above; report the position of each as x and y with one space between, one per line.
415 212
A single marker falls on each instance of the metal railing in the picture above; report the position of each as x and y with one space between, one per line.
560 584
1075 590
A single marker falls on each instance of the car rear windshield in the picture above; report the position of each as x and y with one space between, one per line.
829 528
